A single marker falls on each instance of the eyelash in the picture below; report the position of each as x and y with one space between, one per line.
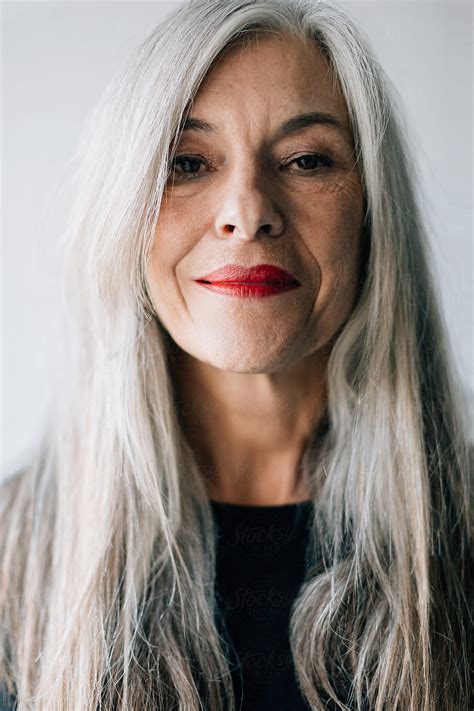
312 171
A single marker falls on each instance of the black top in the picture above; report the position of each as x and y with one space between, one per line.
260 567
7 703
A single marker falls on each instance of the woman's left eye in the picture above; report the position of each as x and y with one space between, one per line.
312 162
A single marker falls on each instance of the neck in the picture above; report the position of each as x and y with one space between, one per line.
249 432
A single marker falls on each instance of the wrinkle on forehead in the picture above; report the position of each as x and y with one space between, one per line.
296 74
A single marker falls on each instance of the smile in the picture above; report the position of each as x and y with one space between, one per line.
248 289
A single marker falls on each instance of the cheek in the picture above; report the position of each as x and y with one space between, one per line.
331 228
181 224
342 244
166 252
331 222
178 229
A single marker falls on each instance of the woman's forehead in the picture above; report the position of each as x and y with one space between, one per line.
273 75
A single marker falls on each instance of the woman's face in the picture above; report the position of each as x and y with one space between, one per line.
249 188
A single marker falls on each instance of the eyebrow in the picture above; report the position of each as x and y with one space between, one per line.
292 125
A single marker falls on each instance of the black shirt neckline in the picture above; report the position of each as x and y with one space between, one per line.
260 507
275 517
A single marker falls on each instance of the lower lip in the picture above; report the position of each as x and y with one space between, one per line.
248 290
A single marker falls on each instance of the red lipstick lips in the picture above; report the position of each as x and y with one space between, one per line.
261 280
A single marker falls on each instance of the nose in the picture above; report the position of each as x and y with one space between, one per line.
246 208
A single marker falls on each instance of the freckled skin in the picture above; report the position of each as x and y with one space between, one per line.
250 201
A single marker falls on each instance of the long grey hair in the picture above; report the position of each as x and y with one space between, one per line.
107 536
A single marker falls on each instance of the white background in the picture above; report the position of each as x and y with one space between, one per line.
56 60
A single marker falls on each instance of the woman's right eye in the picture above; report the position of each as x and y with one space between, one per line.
185 167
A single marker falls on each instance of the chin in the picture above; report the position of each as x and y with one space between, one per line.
247 359
245 350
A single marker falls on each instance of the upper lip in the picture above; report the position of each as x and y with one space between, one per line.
259 274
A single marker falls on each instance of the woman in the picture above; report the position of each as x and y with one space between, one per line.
305 393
